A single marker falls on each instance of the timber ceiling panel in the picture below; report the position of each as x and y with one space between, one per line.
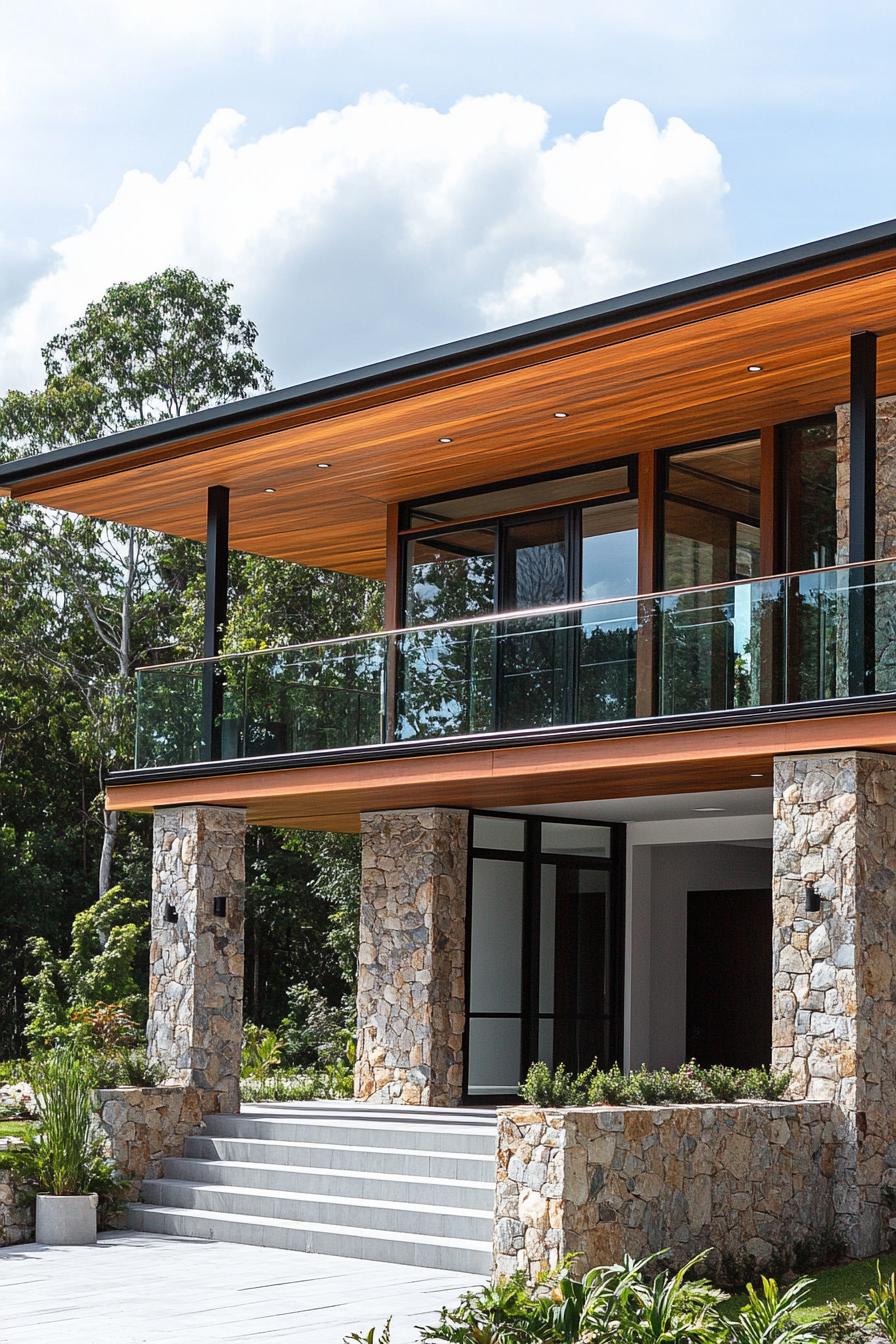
644 384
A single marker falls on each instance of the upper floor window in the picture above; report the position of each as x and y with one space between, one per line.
523 545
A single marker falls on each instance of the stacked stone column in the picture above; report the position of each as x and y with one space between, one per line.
834 1022
195 1021
411 1006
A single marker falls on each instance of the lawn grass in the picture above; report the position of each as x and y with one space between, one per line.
840 1283
12 1128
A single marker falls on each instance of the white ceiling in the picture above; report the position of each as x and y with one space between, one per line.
663 807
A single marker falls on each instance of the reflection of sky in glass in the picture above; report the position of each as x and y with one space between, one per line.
609 565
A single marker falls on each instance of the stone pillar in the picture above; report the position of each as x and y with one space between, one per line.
411 1004
196 954
834 1024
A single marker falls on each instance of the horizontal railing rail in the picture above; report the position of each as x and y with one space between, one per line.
800 636
491 617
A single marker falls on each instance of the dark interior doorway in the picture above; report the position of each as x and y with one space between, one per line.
729 977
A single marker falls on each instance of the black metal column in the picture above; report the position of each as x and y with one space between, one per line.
862 508
216 554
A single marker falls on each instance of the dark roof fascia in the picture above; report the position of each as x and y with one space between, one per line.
459 354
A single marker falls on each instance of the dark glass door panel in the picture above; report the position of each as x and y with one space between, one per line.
574 966
533 651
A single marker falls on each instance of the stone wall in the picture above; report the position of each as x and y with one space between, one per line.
143 1125
411 1005
16 1218
196 956
834 1024
752 1180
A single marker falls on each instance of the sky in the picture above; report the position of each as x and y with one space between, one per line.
377 176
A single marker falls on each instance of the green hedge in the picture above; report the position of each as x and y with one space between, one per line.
690 1084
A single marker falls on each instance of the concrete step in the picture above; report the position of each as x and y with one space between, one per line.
466 1117
327 1181
377 1161
348 1211
460 1255
366 1132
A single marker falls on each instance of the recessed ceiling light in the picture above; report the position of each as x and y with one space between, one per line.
561 415
322 465
709 809
758 776
754 368
270 490
445 439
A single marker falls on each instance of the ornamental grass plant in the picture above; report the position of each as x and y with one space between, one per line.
62 1154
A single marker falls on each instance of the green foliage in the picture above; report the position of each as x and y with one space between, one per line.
314 1031
62 1155
261 1051
13 1071
689 1085
880 1301
624 1303
331 1082
97 971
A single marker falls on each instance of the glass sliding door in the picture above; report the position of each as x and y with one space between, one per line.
711 512
544 948
532 661
607 642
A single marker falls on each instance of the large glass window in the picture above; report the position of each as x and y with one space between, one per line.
711 515
810 475
451 576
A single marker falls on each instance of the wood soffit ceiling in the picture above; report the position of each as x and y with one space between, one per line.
661 380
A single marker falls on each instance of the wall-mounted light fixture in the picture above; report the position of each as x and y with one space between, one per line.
219 905
170 913
813 899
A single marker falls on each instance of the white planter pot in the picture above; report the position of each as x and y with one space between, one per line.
65 1220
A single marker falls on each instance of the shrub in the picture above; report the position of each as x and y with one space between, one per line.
329 1083
690 1085
62 1154
63 992
261 1051
880 1302
314 1031
618 1302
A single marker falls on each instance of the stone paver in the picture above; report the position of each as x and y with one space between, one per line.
133 1288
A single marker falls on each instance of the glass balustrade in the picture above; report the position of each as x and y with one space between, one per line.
789 639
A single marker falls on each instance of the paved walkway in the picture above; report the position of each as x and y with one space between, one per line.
133 1288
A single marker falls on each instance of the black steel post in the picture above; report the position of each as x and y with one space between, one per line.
862 508
216 554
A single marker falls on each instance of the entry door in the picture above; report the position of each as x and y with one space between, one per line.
729 977
574 965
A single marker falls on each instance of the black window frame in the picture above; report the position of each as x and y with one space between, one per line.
532 856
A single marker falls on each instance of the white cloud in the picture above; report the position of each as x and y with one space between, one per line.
389 225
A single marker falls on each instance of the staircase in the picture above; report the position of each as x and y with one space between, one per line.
410 1185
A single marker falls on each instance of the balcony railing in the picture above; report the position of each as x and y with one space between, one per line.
818 635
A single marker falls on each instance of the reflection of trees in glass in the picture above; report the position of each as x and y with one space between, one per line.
607 667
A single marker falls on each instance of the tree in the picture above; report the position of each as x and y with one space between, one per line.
165 346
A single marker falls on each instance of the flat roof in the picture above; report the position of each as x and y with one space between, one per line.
661 365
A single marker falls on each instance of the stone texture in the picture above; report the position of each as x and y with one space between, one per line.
196 962
142 1125
411 1002
886 479
752 1180
834 1024
16 1218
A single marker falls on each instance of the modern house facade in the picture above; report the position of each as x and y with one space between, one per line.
622 758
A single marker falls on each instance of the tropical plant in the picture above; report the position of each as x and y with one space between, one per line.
261 1051
880 1302
624 1303
62 1154
92 991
